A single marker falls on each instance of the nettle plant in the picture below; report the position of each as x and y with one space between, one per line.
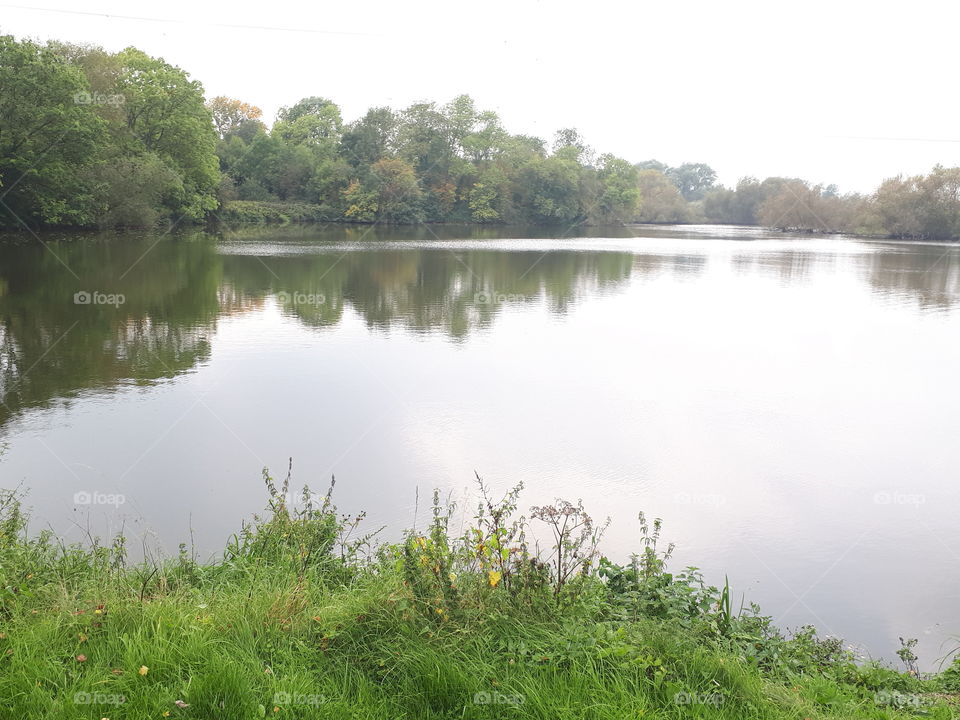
644 588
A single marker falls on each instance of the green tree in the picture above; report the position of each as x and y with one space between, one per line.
693 180
166 115
369 139
652 165
49 135
132 191
619 192
314 121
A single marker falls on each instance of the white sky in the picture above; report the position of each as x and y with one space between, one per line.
846 92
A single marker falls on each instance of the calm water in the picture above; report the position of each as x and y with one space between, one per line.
787 405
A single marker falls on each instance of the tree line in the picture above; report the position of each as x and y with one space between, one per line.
96 139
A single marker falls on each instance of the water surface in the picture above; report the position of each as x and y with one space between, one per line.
786 404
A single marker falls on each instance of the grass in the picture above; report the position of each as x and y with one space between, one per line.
301 618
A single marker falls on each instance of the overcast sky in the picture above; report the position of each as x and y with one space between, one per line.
844 92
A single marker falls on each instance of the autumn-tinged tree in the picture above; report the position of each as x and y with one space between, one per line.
660 201
398 192
229 114
923 206
795 205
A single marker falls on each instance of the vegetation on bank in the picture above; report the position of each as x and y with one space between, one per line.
91 138
304 616
254 211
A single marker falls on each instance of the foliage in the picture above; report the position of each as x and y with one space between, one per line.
92 138
46 138
251 211
301 618
229 115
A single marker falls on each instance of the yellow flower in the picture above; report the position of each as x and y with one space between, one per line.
143 670
493 577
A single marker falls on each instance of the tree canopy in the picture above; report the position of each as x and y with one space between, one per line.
90 138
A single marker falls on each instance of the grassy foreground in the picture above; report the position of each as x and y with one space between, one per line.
304 619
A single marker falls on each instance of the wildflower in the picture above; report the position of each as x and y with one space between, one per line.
181 704
143 670
166 713
276 709
81 658
493 577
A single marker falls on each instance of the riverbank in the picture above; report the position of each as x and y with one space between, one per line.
304 616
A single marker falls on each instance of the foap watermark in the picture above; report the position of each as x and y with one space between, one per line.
898 498
893 698
98 698
95 297
491 297
301 298
98 498
286 698
98 98
496 698
711 499
685 698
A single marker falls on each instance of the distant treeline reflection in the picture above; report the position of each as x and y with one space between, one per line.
175 289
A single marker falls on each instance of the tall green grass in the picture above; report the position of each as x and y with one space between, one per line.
304 617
